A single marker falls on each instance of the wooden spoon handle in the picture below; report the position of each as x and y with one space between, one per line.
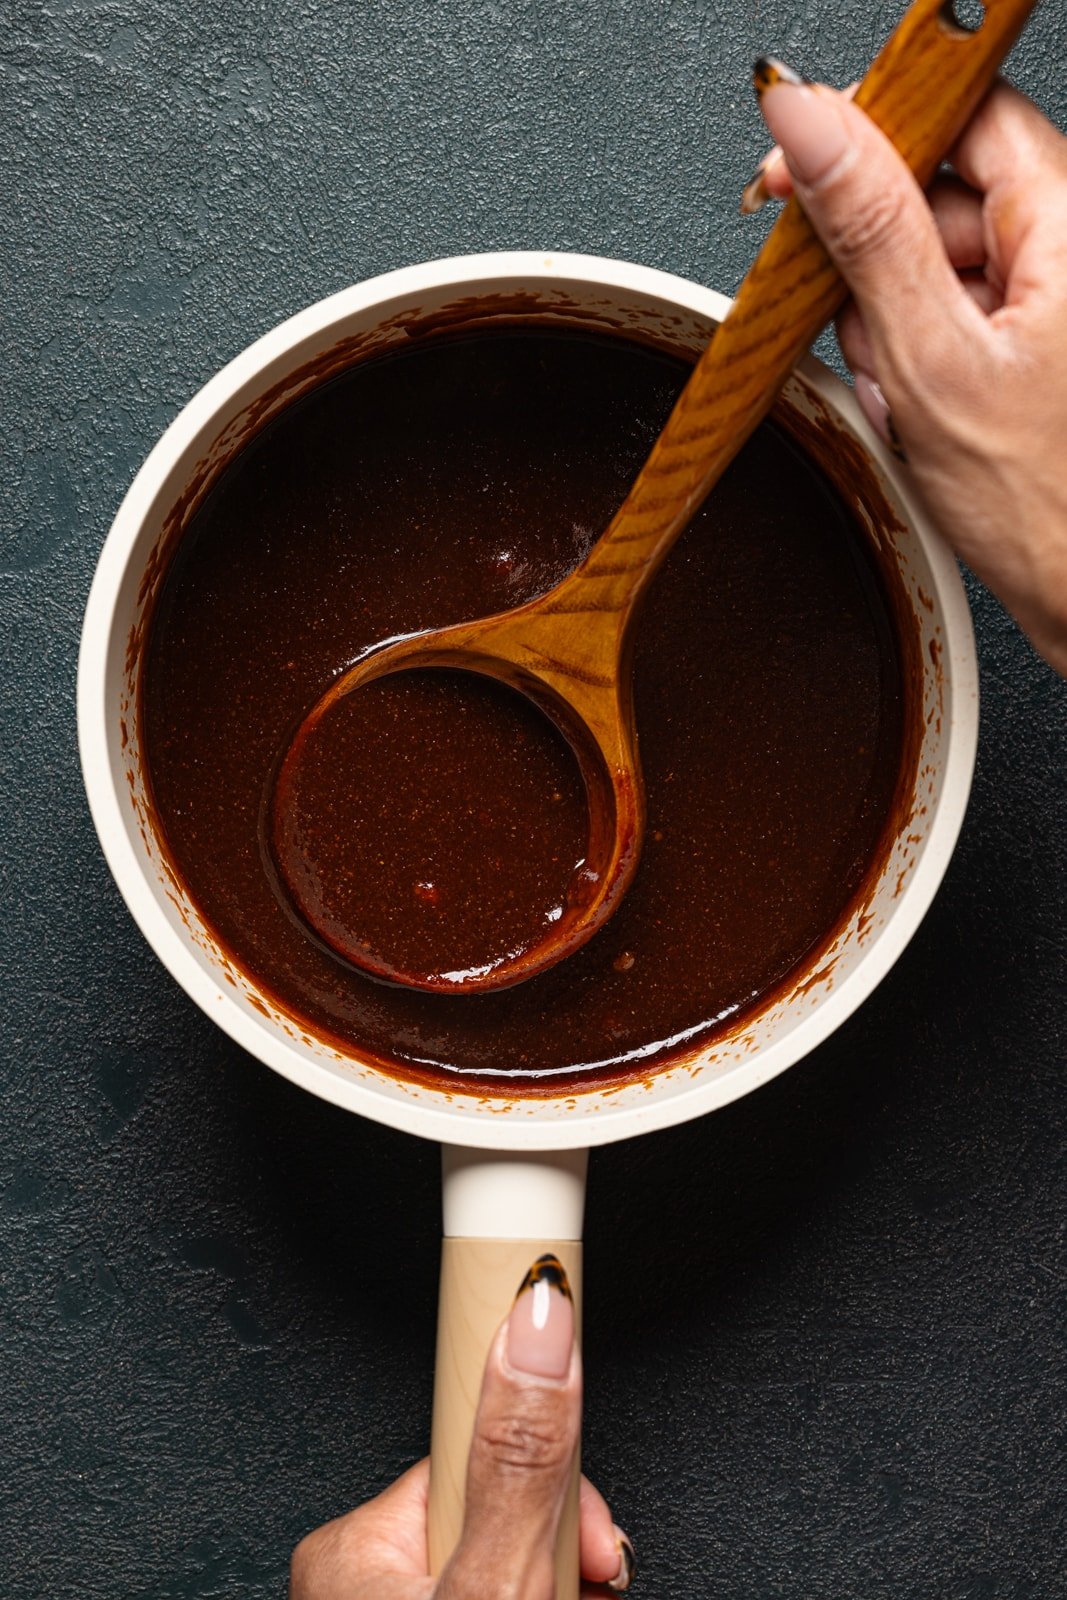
921 91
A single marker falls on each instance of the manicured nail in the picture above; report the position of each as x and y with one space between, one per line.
541 1325
755 194
627 1563
894 439
875 407
809 127
769 70
872 402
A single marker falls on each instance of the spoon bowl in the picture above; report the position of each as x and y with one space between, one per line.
594 713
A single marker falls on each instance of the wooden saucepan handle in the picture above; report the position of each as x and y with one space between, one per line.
479 1280
921 90
503 1210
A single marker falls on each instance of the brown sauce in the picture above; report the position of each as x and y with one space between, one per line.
431 824
457 479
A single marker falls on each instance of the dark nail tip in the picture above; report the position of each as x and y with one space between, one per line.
769 70
620 1584
894 440
547 1269
754 195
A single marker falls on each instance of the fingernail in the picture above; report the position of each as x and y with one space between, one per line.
627 1563
754 195
808 126
541 1325
769 70
872 402
894 439
875 407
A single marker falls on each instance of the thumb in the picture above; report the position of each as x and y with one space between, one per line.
873 218
523 1449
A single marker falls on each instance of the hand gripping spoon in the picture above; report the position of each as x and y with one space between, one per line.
571 650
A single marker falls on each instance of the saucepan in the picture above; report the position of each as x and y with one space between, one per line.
514 1168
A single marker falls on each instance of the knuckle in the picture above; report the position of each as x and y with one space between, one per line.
875 226
524 1444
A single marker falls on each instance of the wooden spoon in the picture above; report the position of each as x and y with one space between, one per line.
571 650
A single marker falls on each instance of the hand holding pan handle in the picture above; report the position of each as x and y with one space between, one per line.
503 1210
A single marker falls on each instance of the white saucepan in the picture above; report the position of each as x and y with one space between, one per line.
514 1169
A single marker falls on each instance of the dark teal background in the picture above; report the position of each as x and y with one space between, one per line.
825 1326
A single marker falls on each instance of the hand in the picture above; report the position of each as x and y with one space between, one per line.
525 1436
957 327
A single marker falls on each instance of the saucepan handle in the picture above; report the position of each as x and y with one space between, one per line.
502 1211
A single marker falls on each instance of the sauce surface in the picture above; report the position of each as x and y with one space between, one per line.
459 478
431 823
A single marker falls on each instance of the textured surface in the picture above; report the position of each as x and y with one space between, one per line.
824 1330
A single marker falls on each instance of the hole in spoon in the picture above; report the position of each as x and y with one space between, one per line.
431 826
963 16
